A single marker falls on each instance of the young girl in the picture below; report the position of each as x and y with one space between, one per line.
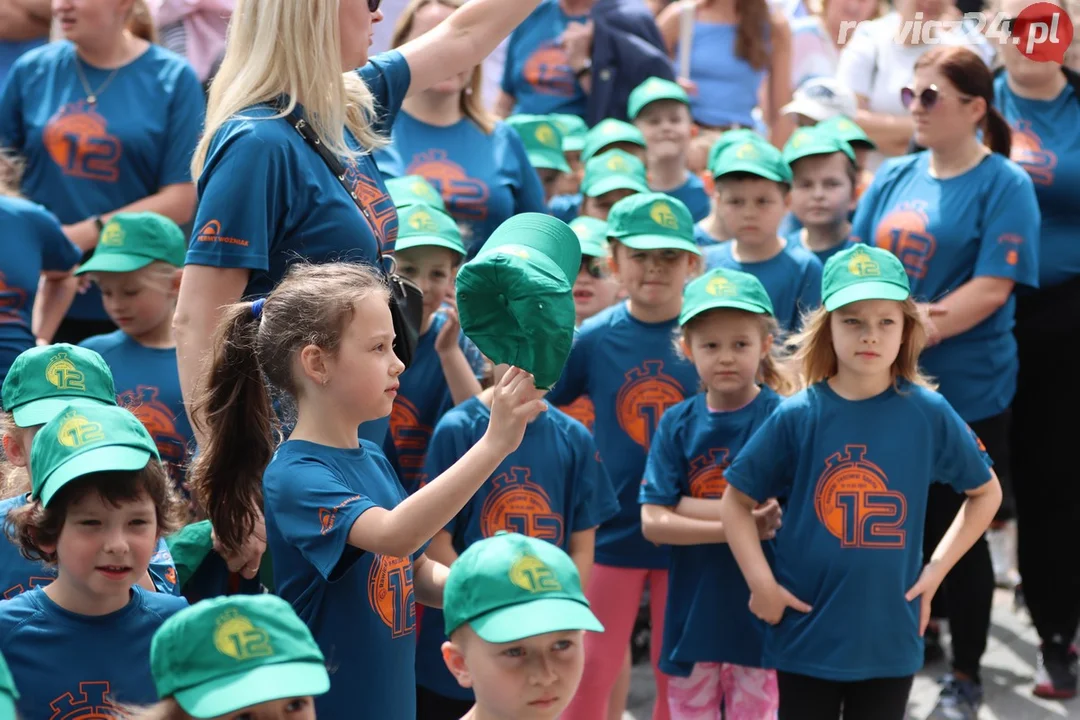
854 454
238 657
137 266
346 541
100 502
553 488
712 645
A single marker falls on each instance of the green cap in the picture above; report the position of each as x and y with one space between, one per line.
543 141
413 189
592 232
44 380
847 130
607 132
807 141
422 224
86 439
721 288
729 138
131 241
653 90
652 221
863 272
573 130
515 298
614 170
8 693
509 586
225 654
753 157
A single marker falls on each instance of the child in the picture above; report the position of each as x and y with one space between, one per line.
847 130
624 361
137 264
712 645
854 454
516 616
446 365
573 130
543 143
594 289
609 177
553 488
660 109
752 183
345 539
238 657
101 501
611 134
822 191
413 189
711 230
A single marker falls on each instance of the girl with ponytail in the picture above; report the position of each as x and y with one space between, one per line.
964 220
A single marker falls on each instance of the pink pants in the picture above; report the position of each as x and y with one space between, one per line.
615 596
747 693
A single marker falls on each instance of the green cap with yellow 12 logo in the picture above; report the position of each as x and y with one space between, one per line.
44 380
84 439
425 225
723 288
863 272
226 654
509 586
652 221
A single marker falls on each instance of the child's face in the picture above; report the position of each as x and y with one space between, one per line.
599 207
133 305
595 287
653 278
727 347
570 183
551 180
867 336
822 194
298 708
667 128
752 209
531 679
432 269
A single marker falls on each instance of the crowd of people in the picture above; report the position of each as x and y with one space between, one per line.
407 359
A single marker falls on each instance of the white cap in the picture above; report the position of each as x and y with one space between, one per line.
821 98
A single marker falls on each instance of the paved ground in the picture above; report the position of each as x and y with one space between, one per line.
1009 664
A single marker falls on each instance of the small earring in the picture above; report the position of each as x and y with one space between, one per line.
325 381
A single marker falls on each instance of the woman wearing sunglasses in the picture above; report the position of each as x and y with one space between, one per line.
1042 104
964 220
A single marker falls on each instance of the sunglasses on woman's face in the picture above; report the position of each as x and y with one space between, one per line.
927 98
596 267
373 5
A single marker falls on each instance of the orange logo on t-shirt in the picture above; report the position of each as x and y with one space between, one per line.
853 502
583 411
519 505
548 71
390 593
160 422
1027 150
78 140
645 395
91 702
12 300
411 439
211 232
466 198
903 233
707 474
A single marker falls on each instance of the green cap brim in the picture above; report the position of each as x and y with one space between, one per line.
593 249
666 95
611 184
549 161
243 689
39 412
7 706
751 169
811 150
870 290
428 241
546 615
573 144
114 263
102 459
659 242
692 313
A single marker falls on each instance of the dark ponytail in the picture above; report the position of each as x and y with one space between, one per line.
997 135
967 72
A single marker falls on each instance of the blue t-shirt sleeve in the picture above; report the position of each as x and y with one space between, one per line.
1010 241
187 113
566 207
12 130
810 290
300 505
595 501
571 384
448 443
961 461
763 468
665 468
57 252
387 76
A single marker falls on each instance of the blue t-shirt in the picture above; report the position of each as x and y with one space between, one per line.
67 665
537 72
483 179
19 575
389 162
1044 143
631 372
692 194
794 239
856 475
359 605
10 50
984 223
33 242
148 384
423 398
552 486
707 617
792 278
84 160
566 207
703 238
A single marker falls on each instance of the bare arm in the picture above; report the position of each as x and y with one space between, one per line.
699 508
663 526
969 305
441 549
582 551
778 88
22 20
891 133
429 581
669 23
56 292
176 202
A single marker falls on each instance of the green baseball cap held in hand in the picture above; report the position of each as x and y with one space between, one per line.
723 288
652 221
44 380
131 241
863 272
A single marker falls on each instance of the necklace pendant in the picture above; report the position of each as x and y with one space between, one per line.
92 99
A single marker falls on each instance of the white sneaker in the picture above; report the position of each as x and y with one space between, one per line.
1002 543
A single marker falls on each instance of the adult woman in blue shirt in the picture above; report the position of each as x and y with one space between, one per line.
963 219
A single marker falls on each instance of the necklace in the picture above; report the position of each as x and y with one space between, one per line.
92 95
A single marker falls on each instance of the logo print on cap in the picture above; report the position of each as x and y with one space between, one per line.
748 151
531 574
113 235
62 373
720 286
664 216
800 139
545 135
862 265
77 431
617 163
422 189
612 129
237 637
422 220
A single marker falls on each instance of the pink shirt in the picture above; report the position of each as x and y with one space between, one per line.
205 23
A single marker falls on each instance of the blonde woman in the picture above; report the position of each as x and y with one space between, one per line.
445 134
267 199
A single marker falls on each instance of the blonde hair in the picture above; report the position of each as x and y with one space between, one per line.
816 356
290 47
14 480
158 276
774 371
471 100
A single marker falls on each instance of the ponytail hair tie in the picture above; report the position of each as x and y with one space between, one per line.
257 307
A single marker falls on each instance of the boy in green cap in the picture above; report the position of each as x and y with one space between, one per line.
660 109
823 190
594 288
137 264
611 134
543 143
573 130
412 190
609 177
243 656
752 185
99 504
711 230
515 614
847 130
